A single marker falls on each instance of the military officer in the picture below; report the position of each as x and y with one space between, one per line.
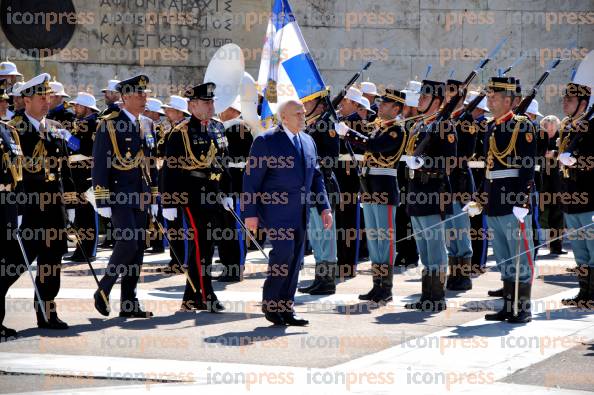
369 91
192 171
323 241
233 250
111 97
510 149
154 113
383 148
5 113
576 148
406 248
348 222
458 229
478 223
78 180
11 260
430 148
176 111
58 108
125 189
43 143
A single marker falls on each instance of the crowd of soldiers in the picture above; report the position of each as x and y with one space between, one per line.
404 184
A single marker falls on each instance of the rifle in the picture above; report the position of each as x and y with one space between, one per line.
470 107
447 110
523 106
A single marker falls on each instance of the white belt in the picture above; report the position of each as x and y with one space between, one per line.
379 171
78 158
236 165
497 174
347 157
536 167
403 158
476 164
5 188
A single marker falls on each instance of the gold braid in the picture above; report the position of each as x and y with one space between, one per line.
501 155
194 163
121 163
567 124
386 161
412 141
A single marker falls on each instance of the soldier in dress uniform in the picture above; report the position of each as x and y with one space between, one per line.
406 248
233 250
510 149
348 223
58 107
18 103
125 189
323 241
11 260
5 113
78 179
111 97
195 154
383 148
576 148
369 91
176 111
154 112
458 229
430 148
478 223
43 143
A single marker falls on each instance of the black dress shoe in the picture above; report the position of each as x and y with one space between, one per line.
7 333
275 318
53 323
132 309
190 305
80 259
156 250
100 304
293 320
557 252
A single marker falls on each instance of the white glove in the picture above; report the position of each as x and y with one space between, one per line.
472 208
414 162
520 213
227 203
104 212
71 215
61 134
20 221
170 214
154 210
567 160
341 128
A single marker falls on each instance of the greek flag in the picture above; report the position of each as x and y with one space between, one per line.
287 70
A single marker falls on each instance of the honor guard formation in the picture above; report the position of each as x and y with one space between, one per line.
432 173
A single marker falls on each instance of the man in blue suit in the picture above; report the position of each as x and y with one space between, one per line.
282 180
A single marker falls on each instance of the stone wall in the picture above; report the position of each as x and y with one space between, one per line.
172 40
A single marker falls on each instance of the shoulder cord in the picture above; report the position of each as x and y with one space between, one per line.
193 162
501 155
124 163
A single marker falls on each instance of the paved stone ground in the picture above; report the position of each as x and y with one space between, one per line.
348 346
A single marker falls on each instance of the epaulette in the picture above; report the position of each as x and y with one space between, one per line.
107 118
521 118
489 119
15 120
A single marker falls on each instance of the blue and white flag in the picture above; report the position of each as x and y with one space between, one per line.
287 67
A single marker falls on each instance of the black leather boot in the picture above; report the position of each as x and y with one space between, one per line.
53 321
585 293
132 309
384 293
497 293
524 314
463 281
425 292
376 272
453 273
506 311
438 302
327 285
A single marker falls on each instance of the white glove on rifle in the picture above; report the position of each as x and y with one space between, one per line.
520 213
170 214
104 212
20 221
567 160
71 215
341 128
154 210
414 162
472 208
227 203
